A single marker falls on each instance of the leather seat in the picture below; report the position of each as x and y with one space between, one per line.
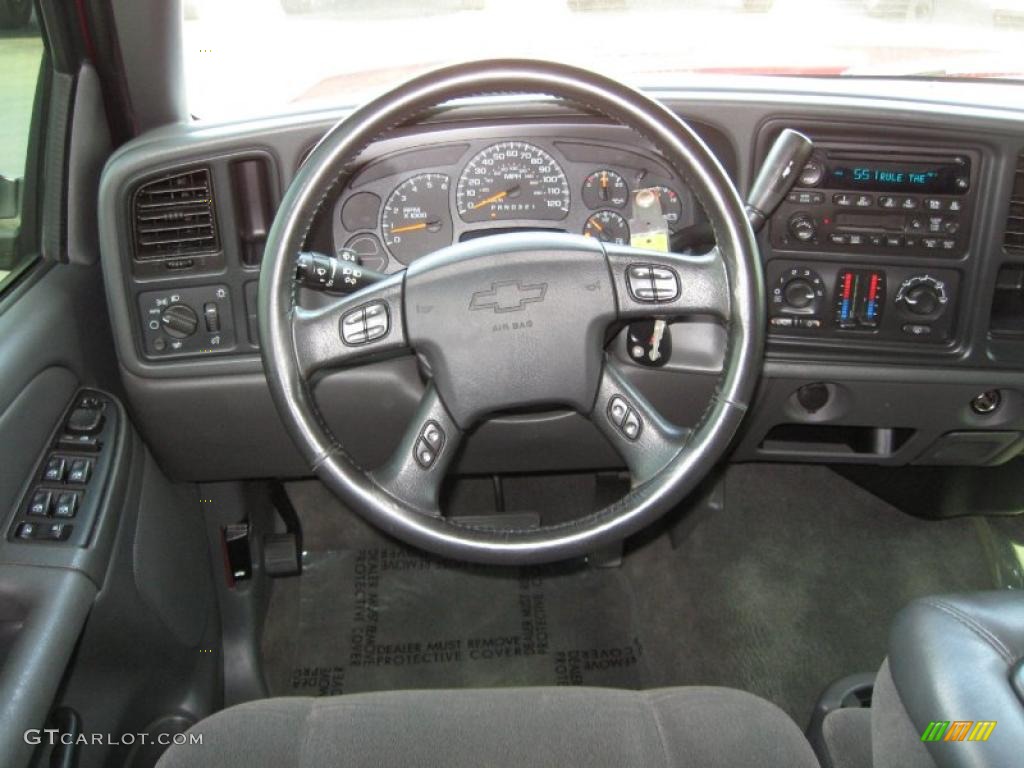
693 727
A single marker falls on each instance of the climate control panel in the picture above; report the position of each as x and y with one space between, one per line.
857 301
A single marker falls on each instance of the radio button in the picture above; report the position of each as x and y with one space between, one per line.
909 203
933 204
864 201
931 243
839 239
948 245
856 240
876 239
888 201
843 200
954 205
894 241
935 223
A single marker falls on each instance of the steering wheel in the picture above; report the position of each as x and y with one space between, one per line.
513 320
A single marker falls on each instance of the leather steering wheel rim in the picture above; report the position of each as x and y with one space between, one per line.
397 513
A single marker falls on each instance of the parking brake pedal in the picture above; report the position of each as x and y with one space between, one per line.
282 552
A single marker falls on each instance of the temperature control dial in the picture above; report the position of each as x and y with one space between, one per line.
798 291
922 296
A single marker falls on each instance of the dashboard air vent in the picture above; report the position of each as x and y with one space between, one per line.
1013 237
174 216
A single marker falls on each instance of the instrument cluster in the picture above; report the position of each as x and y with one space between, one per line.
411 203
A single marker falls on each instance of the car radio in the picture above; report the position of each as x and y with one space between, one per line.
879 202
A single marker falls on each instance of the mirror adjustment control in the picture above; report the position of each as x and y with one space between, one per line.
84 421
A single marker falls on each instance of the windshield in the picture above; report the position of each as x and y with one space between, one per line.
246 57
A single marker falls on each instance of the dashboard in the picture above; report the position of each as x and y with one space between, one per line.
893 273
417 201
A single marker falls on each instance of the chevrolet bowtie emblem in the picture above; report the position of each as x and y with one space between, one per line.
508 296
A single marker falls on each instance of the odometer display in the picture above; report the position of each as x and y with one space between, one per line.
512 180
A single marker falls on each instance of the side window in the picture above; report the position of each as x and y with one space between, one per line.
21 56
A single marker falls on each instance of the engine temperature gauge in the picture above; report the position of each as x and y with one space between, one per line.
608 227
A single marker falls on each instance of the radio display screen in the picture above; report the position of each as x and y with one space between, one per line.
939 179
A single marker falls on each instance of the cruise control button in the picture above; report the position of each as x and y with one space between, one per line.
617 410
40 503
639 282
666 284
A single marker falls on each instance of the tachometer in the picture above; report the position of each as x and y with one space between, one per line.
416 218
512 180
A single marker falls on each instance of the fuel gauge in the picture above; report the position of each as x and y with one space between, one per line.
604 188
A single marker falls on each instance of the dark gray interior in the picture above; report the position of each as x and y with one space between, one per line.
203 566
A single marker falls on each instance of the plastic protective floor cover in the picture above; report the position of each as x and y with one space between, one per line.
790 587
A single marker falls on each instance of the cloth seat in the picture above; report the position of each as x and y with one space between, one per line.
694 727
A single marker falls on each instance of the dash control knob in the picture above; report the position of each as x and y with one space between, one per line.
922 295
179 321
798 293
803 227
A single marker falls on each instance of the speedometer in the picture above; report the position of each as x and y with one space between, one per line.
512 180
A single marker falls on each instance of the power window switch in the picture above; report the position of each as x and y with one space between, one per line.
55 469
26 531
80 471
40 503
66 506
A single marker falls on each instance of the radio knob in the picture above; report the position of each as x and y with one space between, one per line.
798 293
179 321
803 227
811 174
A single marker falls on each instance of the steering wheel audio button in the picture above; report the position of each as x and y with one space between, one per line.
617 410
429 444
632 425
